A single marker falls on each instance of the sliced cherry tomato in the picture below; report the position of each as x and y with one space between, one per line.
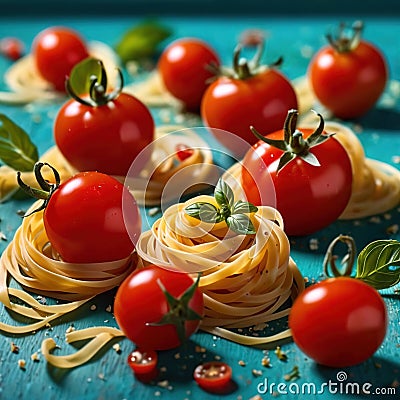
250 95
183 152
309 196
158 308
105 132
213 376
183 67
143 362
349 75
90 218
56 50
11 48
339 322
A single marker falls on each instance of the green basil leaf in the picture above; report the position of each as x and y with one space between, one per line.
378 264
16 148
205 212
243 207
223 194
241 224
142 41
80 77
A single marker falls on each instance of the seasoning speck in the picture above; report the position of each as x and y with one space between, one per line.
117 348
281 354
35 357
242 363
21 363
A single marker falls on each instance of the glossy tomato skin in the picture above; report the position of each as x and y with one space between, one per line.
56 50
105 138
233 105
140 302
348 83
183 69
308 197
91 218
339 322
213 376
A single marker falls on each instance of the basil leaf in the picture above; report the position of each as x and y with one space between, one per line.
16 148
241 224
223 194
378 264
80 77
141 41
205 212
243 207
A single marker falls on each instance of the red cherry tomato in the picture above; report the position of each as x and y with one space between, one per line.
91 218
104 133
147 318
56 50
339 322
183 69
143 362
309 197
260 98
11 48
213 376
348 76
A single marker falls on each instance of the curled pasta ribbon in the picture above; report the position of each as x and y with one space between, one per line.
375 186
27 85
30 261
99 337
246 279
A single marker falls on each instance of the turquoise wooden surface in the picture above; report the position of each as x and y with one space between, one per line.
107 376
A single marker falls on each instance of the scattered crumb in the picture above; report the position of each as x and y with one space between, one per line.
177 356
163 384
256 372
35 357
14 348
199 349
154 211
256 397
3 236
281 354
293 374
375 220
93 307
242 363
70 329
21 363
266 362
117 348
101 376
392 229
313 244
109 308
378 365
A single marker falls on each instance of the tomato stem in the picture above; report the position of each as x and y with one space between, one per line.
329 264
344 41
98 95
46 189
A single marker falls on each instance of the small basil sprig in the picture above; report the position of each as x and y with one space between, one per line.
16 148
234 213
378 263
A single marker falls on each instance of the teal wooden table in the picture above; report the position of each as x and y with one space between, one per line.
108 376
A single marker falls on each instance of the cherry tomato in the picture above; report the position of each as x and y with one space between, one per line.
348 76
308 196
91 218
183 152
55 51
143 362
149 317
339 322
11 48
213 376
259 97
183 67
104 134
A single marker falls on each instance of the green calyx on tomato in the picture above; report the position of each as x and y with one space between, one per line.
378 263
234 213
179 311
90 77
345 41
242 68
293 144
46 189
